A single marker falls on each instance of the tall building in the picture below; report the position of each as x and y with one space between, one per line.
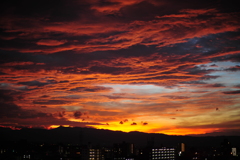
162 153
234 151
92 154
123 151
181 149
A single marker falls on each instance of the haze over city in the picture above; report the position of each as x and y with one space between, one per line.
169 66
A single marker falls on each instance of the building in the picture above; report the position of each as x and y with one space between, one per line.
123 151
181 149
92 154
234 151
162 153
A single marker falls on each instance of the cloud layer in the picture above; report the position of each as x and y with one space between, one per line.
163 67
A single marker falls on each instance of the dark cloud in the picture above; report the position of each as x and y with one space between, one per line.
232 92
209 77
144 123
234 57
15 116
113 96
213 65
34 83
234 69
216 85
9 95
50 102
44 122
145 10
77 114
65 81
134 123
171 77
140 11
91 89
54 10
1 73
237 86
45 96
228 57
199 71
61 114
194 82
9 109
109 70
122 122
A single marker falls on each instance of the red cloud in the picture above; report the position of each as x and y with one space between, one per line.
50 42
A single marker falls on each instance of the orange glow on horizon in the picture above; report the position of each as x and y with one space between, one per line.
57 126
144 129
187 131
115 126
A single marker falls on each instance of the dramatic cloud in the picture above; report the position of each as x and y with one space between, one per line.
232 92
153 66
49 42
77 114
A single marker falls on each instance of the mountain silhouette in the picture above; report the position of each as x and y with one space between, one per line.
77 135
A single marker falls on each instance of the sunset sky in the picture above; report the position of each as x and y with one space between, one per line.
154 66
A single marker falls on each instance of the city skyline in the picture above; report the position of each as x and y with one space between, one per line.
151 66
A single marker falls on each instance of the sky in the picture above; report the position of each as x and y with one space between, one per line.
154 66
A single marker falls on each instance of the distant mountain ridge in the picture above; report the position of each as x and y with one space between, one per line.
77 135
